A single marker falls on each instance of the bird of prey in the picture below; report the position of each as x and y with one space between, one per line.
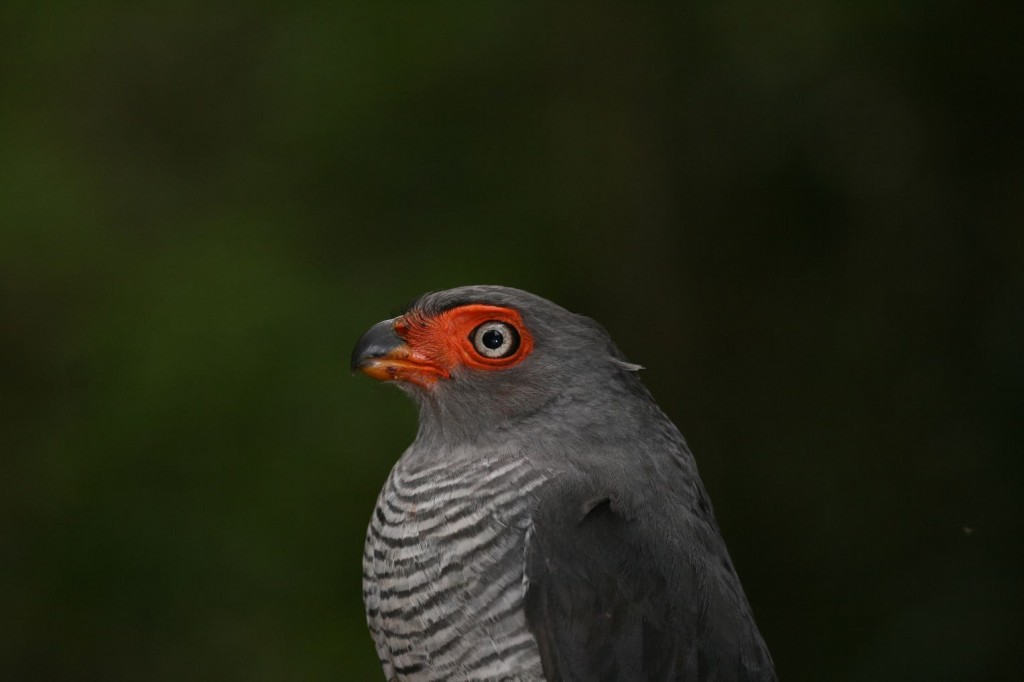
548 521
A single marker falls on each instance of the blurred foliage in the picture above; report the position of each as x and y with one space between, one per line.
805 219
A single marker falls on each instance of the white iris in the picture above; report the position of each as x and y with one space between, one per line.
495 339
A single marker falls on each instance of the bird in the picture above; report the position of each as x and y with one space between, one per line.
548 521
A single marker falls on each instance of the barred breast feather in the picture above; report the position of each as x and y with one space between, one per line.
443 571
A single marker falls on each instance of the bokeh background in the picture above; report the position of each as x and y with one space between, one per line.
804 218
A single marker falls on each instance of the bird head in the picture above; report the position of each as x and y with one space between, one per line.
479 357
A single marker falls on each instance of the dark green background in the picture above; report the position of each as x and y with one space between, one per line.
806 219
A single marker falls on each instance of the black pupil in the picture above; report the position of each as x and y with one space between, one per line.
492 339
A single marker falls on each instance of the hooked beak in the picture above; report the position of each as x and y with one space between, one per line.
375 345
382 354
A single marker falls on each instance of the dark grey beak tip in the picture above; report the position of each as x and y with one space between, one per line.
378 341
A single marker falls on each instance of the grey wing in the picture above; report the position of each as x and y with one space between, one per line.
611 598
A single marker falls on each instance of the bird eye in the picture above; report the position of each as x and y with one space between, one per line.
495 339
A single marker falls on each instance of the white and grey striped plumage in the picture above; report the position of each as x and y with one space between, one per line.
443 570
548 522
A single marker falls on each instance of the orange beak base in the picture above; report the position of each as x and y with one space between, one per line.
380 353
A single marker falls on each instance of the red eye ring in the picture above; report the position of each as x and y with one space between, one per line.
446 340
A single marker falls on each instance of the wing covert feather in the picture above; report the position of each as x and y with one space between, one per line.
611 597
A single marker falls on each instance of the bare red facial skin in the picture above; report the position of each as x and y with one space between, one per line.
434 346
